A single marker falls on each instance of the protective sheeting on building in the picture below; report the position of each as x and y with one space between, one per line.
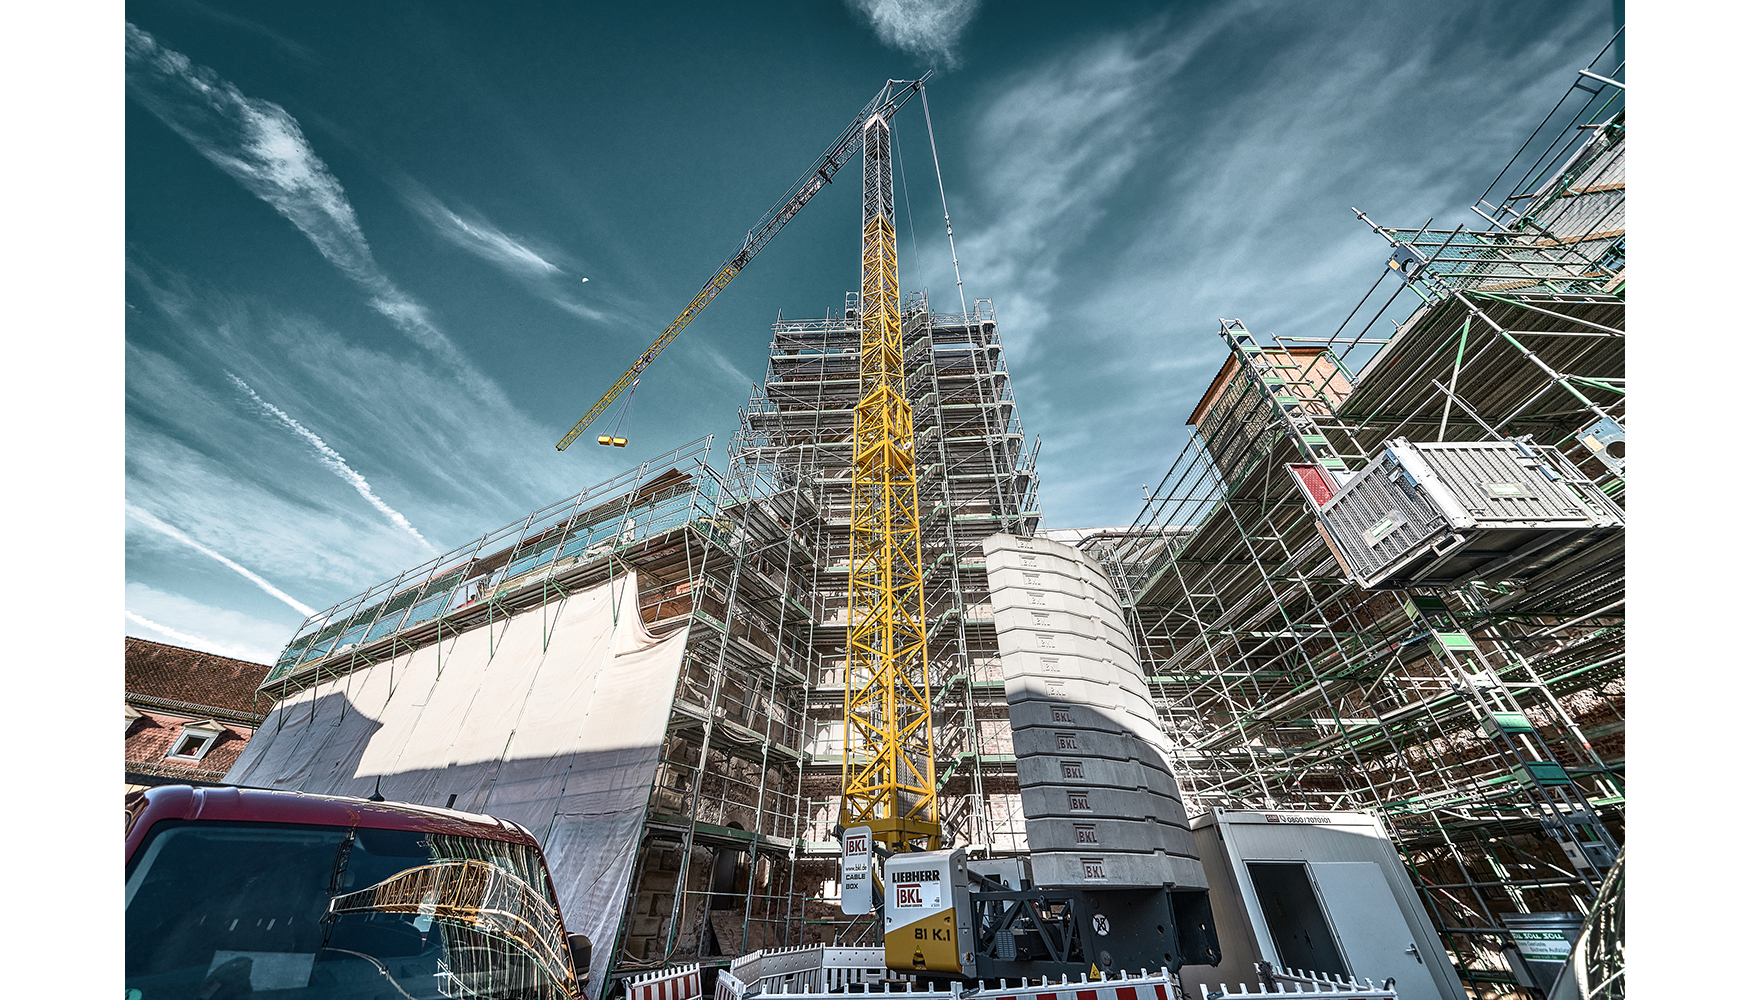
553 718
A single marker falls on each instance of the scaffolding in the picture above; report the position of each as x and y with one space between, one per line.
1482 720
732 561
736 852
976 478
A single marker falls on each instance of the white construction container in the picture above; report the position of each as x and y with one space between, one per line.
1435 514
1319 891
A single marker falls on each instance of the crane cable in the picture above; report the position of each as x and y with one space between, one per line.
613 438
990 449
910 225
925 100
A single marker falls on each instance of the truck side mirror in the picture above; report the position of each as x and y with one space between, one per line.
580 949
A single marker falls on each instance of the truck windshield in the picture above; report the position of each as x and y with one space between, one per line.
223 910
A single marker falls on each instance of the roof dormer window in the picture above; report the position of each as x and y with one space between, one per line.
195 740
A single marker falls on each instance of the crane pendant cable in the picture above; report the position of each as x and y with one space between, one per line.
613 438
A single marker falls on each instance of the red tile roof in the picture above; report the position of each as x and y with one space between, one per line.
153 735
194 678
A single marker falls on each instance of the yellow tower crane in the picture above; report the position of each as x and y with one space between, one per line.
889 771
889 100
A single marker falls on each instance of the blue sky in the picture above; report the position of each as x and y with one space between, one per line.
356 238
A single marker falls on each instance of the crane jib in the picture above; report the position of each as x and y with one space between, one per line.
888 101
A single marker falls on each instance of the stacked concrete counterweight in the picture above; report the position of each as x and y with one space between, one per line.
1102 808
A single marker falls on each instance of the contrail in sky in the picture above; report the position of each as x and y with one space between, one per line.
151 521
194 641
332 459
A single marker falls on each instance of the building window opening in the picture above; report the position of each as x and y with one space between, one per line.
726 878
194 742
191 746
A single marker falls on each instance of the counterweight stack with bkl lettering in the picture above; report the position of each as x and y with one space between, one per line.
1113 880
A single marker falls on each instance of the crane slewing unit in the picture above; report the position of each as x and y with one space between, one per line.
889 773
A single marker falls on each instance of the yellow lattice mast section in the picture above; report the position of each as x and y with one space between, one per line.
889 771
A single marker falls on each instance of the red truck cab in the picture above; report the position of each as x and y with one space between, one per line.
242 892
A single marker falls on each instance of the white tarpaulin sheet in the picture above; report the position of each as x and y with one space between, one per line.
553 719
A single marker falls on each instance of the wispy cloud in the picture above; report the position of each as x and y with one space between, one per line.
243 486
1055 146
172 616
471 231
578 309
928 28
726 367
478 236
150 520
189 639
1130 189
332 459
263 148
287 45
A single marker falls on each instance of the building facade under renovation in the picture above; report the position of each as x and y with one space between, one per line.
1384 576
690 625
1386 572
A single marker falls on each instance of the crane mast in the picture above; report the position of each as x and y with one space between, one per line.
889 771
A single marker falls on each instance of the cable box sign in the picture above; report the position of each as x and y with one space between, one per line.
1542 946
855 896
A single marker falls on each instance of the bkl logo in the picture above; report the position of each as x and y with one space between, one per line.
911 895
857 845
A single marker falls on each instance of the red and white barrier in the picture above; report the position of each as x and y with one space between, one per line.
1141 988
1123 986
729 987
1296 983
678 983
